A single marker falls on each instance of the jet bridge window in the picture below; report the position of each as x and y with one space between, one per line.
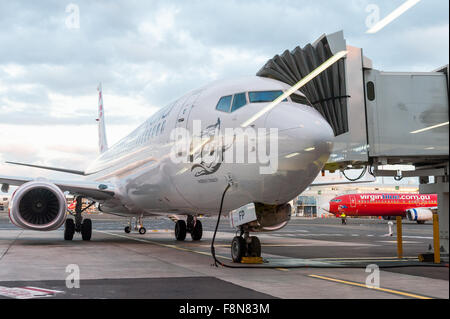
370 91
224 103
239 101
264 96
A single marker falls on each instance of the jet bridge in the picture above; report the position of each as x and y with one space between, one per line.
379 118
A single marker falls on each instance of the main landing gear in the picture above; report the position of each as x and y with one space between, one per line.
192 225
138 225
245 246
80 224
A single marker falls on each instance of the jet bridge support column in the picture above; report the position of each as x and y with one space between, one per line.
441 188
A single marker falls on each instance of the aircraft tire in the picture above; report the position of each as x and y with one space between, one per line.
127 229
142 230
86 229
69 229
197 231
254 248
180 230
237 249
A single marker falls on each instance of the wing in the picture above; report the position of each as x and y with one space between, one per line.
64 170
90 189
340 183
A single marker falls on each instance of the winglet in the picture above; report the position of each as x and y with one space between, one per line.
102 142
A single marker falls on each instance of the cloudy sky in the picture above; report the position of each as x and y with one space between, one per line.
147 53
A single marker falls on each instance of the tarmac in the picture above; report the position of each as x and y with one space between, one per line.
309 258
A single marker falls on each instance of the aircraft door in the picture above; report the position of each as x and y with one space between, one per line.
352 201
184 110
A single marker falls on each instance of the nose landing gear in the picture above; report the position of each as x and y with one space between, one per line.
245 246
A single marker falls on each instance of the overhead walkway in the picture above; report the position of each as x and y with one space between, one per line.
379 118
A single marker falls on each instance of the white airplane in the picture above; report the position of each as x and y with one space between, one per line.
138 177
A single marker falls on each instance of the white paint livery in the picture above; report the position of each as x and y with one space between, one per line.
136 176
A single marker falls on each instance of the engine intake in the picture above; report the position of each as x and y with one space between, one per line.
38 205
419 214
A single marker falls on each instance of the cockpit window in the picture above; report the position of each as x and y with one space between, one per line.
224 104
239 101
264 96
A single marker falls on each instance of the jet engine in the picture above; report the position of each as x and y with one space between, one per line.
257 217
38 205
419 214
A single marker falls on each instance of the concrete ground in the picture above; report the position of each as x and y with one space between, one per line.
118 265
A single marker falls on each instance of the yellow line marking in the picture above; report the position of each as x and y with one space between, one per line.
162 245
362 258
352 283
171 246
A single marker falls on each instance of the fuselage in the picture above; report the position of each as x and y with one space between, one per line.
149 181
385 204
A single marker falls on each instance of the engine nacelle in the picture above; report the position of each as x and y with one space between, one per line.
419 214
257 217
38 205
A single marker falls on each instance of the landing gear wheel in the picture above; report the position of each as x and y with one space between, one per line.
142 230
254 248
127 229
197 231
86 229
180 230
69 229
237 249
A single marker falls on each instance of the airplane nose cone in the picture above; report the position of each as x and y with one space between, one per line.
325 207
301 130
304 143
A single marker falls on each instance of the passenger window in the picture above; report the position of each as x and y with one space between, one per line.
239 101
224 104
264 96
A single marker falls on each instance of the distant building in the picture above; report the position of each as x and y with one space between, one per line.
4 203
306 206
